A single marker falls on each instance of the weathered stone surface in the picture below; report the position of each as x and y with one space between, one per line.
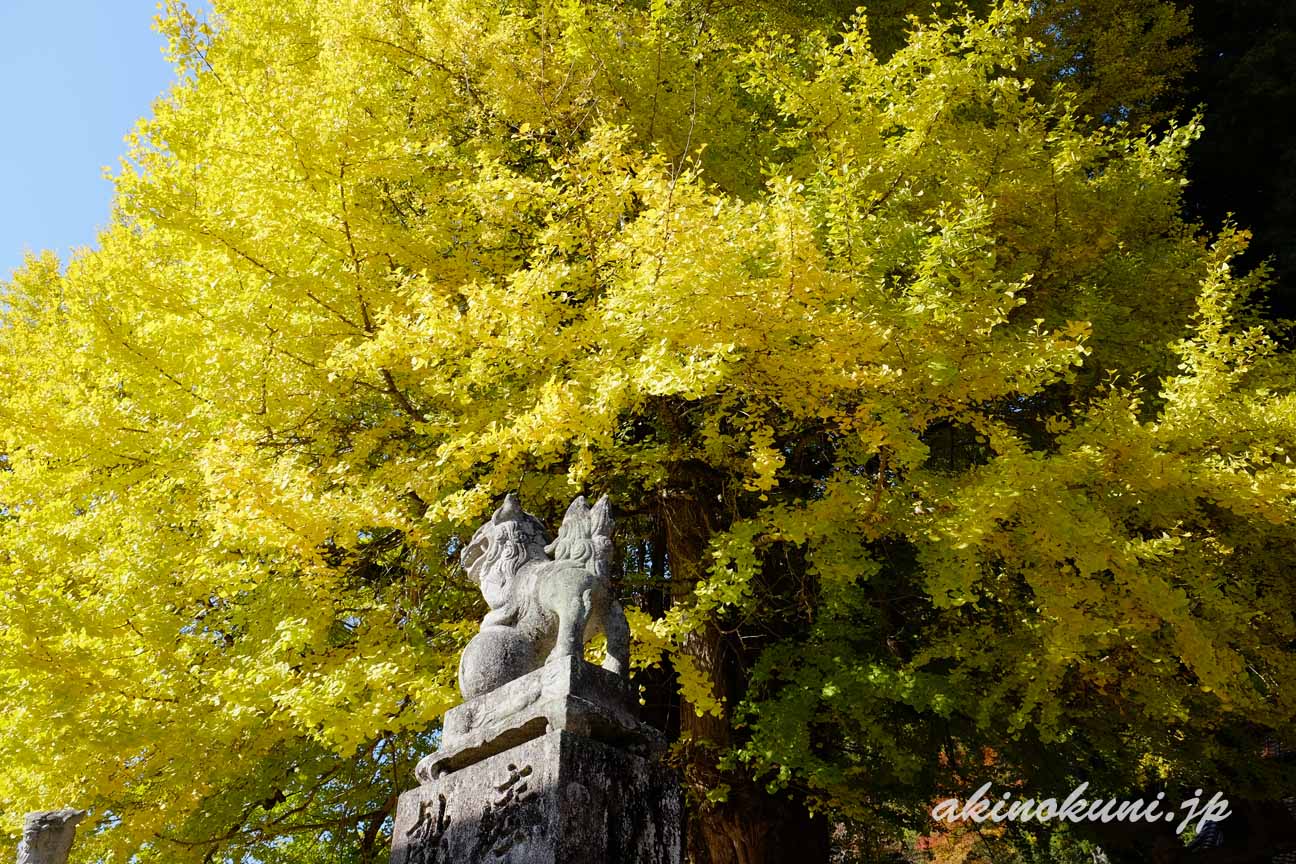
541 607
546 761
47 836
560 798
565 694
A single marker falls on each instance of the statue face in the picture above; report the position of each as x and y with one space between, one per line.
506 555
509 523
474 554
495 554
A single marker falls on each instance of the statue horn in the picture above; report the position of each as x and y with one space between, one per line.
509 511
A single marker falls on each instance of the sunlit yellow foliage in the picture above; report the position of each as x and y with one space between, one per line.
952 366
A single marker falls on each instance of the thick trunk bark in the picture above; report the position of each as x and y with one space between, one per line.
750 826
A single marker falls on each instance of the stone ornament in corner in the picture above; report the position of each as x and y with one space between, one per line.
546 759
547 599
47 836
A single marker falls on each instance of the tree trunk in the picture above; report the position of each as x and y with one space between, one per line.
750 826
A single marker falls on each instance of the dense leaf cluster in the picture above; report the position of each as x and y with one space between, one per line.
935 429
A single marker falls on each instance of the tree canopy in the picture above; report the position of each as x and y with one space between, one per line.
934 428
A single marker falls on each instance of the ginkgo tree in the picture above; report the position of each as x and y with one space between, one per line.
932 427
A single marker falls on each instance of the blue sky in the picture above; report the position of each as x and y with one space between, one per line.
74 76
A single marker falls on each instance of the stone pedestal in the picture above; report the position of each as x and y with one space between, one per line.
551 768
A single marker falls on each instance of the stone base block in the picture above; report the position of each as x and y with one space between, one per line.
565 694
560 798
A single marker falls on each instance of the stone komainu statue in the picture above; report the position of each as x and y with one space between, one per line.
546 599
47 836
